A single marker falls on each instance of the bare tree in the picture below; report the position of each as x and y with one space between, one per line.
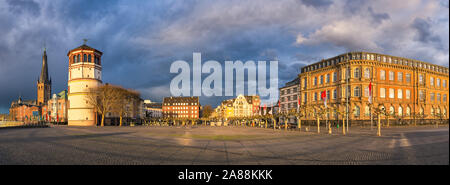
102 99
125 100
207 111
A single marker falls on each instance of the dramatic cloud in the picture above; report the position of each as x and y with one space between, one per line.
140 39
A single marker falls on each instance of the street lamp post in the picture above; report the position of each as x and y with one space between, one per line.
347 87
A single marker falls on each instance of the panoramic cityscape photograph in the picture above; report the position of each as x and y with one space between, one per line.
224 90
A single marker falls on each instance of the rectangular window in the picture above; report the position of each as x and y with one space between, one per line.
334 94
399 93
400 76
408 77
444 97
328 78
321 79
382 93
444 83
366 92
420 79
305 97
431 96
334 76
421 95
438 97
315 80
391 93
431 81
438 82
315 96
382 75
391 75
408 94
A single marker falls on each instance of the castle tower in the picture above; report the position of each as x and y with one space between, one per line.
44 85
85 72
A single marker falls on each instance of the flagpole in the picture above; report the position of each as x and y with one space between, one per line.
348 88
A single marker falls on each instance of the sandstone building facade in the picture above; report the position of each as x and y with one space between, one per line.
85 72
407 88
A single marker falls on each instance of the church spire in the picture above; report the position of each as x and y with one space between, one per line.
44 72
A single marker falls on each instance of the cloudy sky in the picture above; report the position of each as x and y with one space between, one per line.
140 39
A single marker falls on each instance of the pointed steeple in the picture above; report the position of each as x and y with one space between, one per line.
43 78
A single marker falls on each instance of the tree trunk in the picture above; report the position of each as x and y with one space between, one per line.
285 123
299 124
343 125
103 120
274 124
388 122
329 128
379 126
265 121
120 120
318 125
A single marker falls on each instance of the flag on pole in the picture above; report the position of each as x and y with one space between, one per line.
279 106
323 95
298 102
370 92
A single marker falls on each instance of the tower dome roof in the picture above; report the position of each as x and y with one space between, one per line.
84 47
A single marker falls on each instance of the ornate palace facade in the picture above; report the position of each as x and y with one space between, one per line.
406 88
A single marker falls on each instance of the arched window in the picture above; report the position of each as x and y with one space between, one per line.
357 111
438 111
367 73
432 111
74 59
84 58
391 110
78 58
421 111
444 112
400 111
357 92
356 73
89 58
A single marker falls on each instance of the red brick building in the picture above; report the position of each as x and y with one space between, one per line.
26 111
181 107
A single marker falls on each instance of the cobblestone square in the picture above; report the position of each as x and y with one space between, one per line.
142 145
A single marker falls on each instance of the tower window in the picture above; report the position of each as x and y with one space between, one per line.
89 58
84 58
78 58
